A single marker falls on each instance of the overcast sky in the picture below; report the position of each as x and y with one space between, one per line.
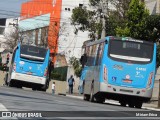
10 8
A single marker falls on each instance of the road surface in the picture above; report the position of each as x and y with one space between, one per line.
13 99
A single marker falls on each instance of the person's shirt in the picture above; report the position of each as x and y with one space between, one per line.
53 86
70 81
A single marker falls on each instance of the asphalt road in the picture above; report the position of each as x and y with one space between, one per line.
13 99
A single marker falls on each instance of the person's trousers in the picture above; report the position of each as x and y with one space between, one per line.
70 89
53 92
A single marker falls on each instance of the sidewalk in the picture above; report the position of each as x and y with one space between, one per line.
152 105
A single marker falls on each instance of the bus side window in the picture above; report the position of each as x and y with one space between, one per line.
99 53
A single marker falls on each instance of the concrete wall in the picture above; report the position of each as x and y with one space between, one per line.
69 73
2 75
69 43
156 85
60 87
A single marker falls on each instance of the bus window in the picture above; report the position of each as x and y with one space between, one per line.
131 51
99 53
33 53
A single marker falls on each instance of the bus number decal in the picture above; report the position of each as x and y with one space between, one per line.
118 67
140 69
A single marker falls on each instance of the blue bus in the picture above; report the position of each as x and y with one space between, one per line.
29 67
121 69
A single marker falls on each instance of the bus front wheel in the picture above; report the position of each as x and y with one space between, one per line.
86 97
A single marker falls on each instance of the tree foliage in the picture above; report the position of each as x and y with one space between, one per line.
153 28
92 20
76 65
136 21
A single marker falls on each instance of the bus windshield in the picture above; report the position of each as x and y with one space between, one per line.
125 51
33 52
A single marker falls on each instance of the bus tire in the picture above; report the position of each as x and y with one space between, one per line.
131 104
34 89
100 100
123 103
86 97
138 105
10 84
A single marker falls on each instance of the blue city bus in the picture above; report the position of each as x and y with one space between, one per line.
29 67
121 69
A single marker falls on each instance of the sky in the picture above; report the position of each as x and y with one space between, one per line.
10 8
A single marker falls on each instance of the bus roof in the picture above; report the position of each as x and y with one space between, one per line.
92 42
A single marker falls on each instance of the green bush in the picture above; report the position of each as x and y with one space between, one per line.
59 73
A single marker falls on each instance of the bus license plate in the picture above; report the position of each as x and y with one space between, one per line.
29 73
127 81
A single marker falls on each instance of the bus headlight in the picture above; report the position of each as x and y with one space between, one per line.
150 80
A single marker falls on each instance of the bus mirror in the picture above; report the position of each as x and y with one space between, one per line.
106 42
83 59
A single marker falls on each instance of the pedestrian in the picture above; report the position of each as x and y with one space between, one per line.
70 84
53 88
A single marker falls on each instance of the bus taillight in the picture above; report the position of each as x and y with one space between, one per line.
150 80
14 67
46 72
105 73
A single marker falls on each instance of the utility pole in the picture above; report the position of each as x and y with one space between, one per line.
104 4
159 95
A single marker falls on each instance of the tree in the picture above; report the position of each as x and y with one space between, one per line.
12 37
117 16
91 20
153 28
76 65
136 21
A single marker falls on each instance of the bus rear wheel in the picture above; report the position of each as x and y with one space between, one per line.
100 100
131 104
138 105
123 103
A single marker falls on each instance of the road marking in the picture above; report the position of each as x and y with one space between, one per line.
3 108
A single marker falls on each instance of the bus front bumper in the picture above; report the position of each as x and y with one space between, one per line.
28 78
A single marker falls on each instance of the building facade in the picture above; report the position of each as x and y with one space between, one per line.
44 15
49 22
7 34
70 43
153 6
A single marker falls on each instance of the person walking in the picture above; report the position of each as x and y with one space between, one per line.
71 83
53 88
